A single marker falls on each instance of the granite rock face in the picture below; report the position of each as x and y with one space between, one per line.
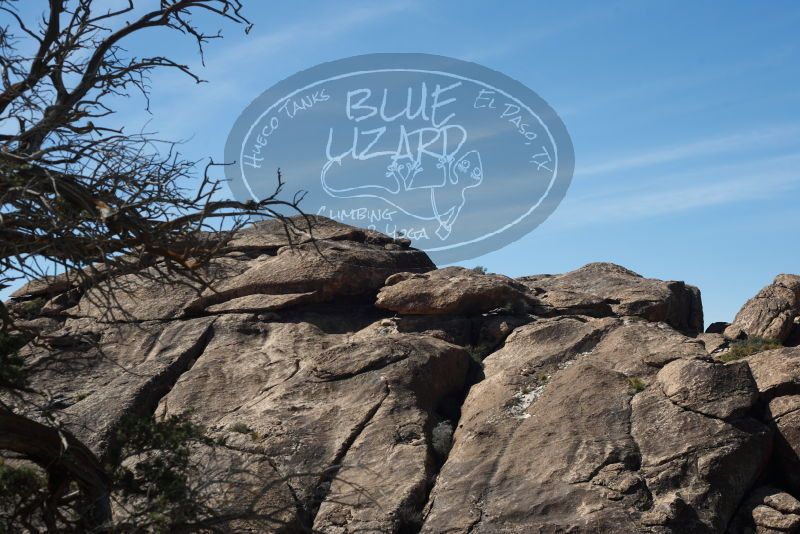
630 294
367 391
452 291
768 510
777 373
771 313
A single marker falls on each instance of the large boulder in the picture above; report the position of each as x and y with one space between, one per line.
709 388
777 373
268 267
346 419
266 237
717 327
453 291
701 446
714 342
771 313
767 510
320 271
629 294
572 431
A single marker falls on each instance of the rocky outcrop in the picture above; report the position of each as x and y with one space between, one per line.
336 412
793 340
575 429
320 271
702 446
629 294
452 291
777 373
362 390
771 313
713 342
717 327
768 510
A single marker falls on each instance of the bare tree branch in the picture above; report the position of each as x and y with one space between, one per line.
85 200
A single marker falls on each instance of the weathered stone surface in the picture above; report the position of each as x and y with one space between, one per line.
47 286
697 466
628 293
771 313
709 388
767 518
51 285
452 290
270 235
549 441
777 373
717 327
361 391
328 269
343 411
394 456
524 456
555 302
713 342
342 262
138 390
150 296
116 372
84 357
640 348
454 329
261 303
295 276
766 510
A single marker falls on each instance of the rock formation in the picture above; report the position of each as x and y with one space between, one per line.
370 392
771 313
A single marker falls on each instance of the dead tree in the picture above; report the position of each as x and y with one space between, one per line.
81 195
78 191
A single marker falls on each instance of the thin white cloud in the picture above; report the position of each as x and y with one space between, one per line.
314 30
704 147
231 68
676 82
520 41
704 188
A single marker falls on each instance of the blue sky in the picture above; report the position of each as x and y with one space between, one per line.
685 118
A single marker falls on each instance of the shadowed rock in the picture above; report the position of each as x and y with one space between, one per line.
713 342
777 373
767 510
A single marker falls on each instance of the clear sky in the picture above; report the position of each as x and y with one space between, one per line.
685 118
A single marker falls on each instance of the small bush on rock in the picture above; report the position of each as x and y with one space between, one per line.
747 347
240 428
442 438
156 474
20 488
31 308
12 369
636 383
